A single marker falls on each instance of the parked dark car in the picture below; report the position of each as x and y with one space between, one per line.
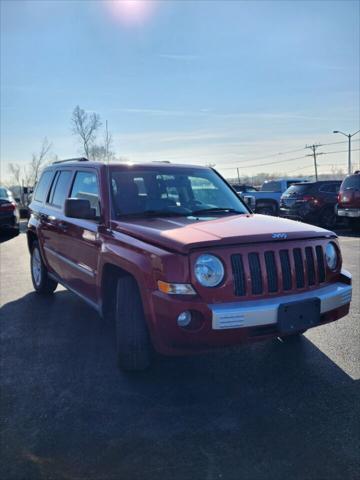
243 188
245 191
349 200
176 260
9 212
311 202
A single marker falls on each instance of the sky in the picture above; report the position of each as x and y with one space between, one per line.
236 84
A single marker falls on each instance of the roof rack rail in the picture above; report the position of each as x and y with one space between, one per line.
81 159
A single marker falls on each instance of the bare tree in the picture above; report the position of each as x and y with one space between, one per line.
108 143
37 163
85 125
15 173
28 175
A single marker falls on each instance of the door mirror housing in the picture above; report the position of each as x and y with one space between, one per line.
79 208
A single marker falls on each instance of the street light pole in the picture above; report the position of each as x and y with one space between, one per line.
349 136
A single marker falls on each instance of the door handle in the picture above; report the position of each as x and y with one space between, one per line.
63 226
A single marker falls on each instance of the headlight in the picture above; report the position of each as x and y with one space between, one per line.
331 256
209 270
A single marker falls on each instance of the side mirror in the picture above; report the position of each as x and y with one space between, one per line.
79 208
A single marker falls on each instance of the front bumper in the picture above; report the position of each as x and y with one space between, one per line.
264 312
226 324
349 212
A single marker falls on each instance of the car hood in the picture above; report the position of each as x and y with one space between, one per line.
182 234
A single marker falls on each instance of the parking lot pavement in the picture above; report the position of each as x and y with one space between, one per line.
266 411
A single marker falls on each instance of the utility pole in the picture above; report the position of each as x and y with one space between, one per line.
313 148
349 136
238 174
107 142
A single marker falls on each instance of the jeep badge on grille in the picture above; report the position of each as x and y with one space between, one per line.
280 236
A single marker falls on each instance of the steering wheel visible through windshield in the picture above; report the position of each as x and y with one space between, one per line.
172 191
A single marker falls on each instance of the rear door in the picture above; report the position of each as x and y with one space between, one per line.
79 243
51 218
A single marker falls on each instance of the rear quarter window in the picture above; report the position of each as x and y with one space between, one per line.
43 186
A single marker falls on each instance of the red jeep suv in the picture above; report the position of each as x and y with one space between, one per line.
349 200
176 259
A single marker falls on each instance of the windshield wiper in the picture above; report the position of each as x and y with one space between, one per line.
215 210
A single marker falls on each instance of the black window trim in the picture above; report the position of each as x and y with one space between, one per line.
87 170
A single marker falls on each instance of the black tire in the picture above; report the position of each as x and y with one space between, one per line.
293 337
42 283
328 218
266 210
132 337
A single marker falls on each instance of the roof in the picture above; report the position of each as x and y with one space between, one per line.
84 162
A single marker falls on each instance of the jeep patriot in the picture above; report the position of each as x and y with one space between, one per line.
174 257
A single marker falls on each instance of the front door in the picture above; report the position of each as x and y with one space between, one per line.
79 240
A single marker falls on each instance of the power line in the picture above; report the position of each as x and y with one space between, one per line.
288 159
287 152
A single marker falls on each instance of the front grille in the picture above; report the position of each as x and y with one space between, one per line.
273 271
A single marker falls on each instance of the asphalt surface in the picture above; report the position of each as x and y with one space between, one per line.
266 411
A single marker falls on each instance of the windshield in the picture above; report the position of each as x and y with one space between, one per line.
351 182
271 187
171 192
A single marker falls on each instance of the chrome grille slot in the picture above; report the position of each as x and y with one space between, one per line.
255 272
285 269
299 268
310 265
320 263
271 272
239 275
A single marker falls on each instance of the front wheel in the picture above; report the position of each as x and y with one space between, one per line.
132 338
39 275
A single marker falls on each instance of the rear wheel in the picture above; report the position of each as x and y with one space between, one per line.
39 275
132 338
355 225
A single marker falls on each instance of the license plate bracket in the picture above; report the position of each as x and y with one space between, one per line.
295 316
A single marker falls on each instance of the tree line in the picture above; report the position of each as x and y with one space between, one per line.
86 126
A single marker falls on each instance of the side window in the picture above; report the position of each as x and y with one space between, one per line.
42 186
85 186
60 188
331 188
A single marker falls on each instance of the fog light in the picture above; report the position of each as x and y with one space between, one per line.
184 319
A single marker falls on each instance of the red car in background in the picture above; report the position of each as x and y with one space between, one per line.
349 200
